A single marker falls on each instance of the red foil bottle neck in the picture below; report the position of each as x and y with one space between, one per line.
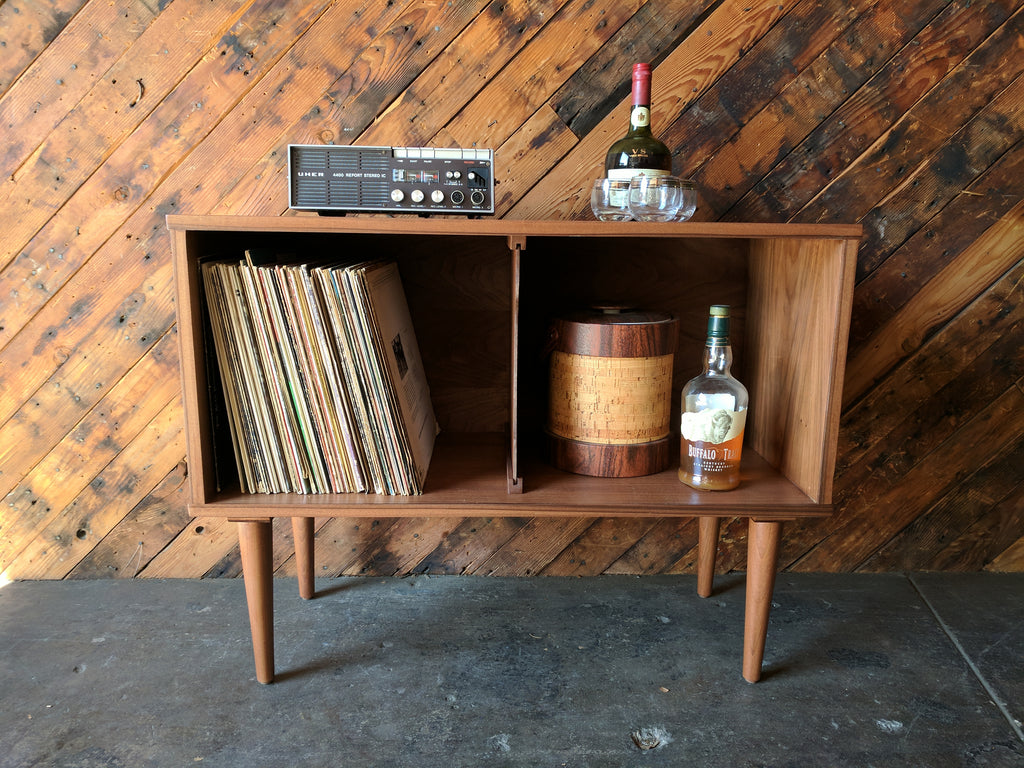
641 85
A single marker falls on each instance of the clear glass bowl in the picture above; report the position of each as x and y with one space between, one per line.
655 198
609 199
689 205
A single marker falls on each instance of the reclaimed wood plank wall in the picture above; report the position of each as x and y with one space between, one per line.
902 115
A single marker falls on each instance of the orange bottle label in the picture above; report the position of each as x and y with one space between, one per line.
710 449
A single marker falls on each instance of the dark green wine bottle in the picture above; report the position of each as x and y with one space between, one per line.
638 152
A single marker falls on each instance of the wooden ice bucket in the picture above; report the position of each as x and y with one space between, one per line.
610 392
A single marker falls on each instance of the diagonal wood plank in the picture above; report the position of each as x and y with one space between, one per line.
93 40
657 550
959 386
601 545
939 301
150 526
26 29
455 77
963 528
148 283
36 493
982 141
692 67
52 553
575 33
533 546
119 101
979 547
867 114
773 64
472 540
923 130
867 425
602 81
820 89
407 543
1012 559
853 539
358 109
196 550
526 156
961 223
129 171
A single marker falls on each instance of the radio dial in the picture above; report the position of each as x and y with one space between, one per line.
437 196
416 195
397 195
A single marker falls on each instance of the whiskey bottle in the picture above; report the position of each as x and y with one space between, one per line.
638 152
714 413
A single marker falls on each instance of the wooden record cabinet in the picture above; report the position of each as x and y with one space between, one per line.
482 294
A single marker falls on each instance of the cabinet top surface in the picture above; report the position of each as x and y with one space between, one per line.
506 227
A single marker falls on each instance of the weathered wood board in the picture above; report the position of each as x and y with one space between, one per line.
906 118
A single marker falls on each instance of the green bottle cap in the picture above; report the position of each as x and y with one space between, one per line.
718 324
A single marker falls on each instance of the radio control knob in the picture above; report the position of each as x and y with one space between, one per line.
397 195
437 196
416 195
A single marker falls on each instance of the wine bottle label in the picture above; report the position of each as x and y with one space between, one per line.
629 173
618 198
640 117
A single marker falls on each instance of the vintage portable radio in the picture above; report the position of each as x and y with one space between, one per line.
423 180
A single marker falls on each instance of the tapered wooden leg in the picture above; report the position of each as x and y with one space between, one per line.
256 544
762 556
707 549
302 532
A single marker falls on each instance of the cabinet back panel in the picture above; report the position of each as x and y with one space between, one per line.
459 299
683 277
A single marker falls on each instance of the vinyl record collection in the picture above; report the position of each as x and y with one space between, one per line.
322 379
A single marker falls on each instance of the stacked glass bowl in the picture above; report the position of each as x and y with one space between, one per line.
644 198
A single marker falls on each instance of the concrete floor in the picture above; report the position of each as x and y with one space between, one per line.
888 670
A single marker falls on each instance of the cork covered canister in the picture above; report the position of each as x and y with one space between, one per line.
610 391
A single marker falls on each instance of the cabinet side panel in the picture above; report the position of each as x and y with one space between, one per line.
193 369
848 272
798 317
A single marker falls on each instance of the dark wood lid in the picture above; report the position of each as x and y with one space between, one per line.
612 331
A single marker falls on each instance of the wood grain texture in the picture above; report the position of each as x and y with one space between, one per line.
903 117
